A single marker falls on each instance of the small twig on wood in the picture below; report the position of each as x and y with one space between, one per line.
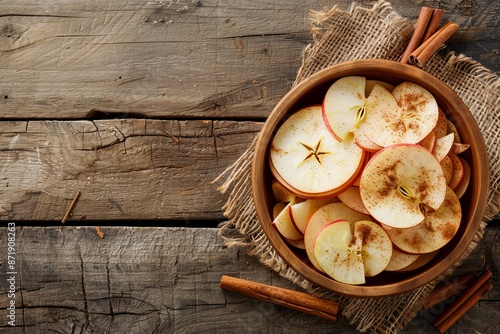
68 212
99 232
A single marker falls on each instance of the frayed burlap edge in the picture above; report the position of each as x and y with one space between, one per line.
242 229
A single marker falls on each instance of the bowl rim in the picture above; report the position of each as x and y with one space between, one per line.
404 72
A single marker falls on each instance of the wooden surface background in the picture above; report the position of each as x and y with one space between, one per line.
139 105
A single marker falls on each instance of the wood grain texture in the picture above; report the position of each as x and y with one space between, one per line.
125 169
180 59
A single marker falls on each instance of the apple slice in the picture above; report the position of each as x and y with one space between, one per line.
302 212
451 128
352 199
443 146
421 261
337 254
344 111
324 216
376 246
277 208
398 180
282 194
309 161
460 191
458 172
297 243
441 128
349 256
429 142
438 228
285 226
371 83
447 165
400 260
407 115
458 148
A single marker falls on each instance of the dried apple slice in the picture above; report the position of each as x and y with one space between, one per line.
437 229
458 172
451 128
302 212
324 216
460 190
400 260
421 261
407 115
458 148
344 111
352 199
429 142
443 146
398 180
441 128
278 207
281 194
349 252
309 161
371 83
285 226
447 165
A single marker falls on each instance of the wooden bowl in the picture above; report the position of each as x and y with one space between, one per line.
311 91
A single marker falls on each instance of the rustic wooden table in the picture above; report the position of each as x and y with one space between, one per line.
139 105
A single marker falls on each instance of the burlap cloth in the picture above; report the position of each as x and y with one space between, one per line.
364 33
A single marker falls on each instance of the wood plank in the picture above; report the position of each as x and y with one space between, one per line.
125 169
176 58
159 280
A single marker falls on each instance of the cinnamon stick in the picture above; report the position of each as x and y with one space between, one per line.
418 51
435 42
444 325
296 300
447 289
463 298
435 20
418 33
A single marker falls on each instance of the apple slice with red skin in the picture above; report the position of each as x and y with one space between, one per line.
458 172
285 226
324 216
458 148
398 180
344 111
438 228
462 188
400 260
309 161
349 252
352 199
407 115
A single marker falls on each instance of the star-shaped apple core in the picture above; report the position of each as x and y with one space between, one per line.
314 151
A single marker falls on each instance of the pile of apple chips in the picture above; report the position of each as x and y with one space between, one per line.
370 180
